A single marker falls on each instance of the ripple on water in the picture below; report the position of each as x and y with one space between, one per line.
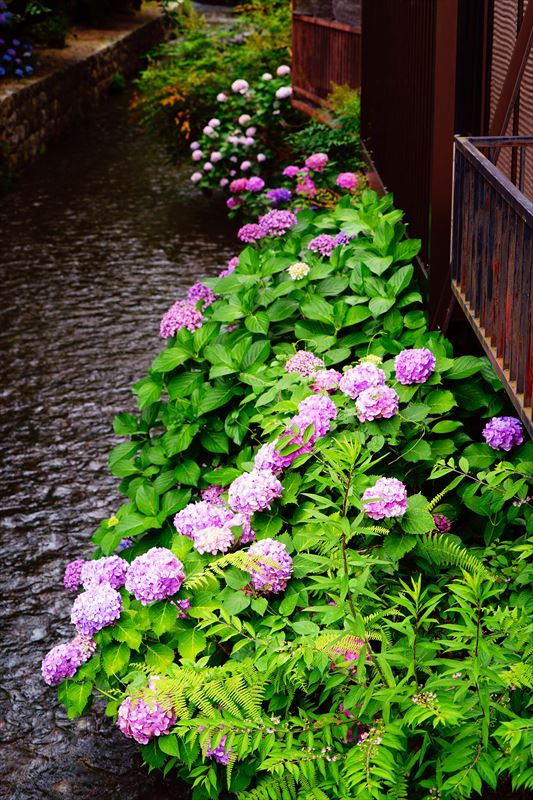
98 240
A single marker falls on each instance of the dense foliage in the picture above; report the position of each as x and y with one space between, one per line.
374 640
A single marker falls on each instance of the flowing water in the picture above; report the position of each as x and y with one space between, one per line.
96 242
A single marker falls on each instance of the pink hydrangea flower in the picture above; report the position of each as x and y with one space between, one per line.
306 188
255 184
182 314
364 376
60 663
196 516
442 523
254 491
238 185
233 263
143 720
387 498
291 171
155 575
303 362
199 291
213 494
109 569
323 244
72 577
213 539
251 232
503 433
347 180
270 577
96 608
378 402
317 410
414 366
276 222
317 162
326 380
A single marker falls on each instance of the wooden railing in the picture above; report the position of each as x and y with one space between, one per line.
492 259
323 53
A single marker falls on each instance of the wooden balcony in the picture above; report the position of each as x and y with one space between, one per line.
492 255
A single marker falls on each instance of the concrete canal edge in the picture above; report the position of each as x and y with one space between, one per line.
69 83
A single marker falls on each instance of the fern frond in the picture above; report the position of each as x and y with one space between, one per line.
438 497
442 550
519 674
272 787
239 559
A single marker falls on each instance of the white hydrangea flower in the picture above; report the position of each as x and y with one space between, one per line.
298 270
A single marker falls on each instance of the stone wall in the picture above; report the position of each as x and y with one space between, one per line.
69 84
346 11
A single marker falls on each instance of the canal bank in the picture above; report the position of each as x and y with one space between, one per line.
98 240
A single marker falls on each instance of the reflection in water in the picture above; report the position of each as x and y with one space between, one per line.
95 244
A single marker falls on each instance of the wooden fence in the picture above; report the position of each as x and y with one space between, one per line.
492 259
324 52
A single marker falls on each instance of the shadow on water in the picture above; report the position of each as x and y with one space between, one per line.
96 242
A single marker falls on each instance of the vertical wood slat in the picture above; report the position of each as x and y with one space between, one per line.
492 252
324 53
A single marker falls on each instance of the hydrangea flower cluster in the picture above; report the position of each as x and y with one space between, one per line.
276 222
94 609
61 662
503 433
213 494
219 753
183 314
72 577
233 263
156 575
317 161
16 57
142 720
199 291
347 180
251 232
270 577
278 196
387 498
326 380
298 270
442 523
414 366
86 644
317 410
378 402
324 244
213 539
364 376
254 491
304 362
110 569
205 514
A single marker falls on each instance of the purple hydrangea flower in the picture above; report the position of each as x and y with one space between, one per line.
254 491
110 569
347 180
86 644
255 184
251 232
142 720
61 662
96 608
72 577
356 379
442 523
270 578
218 753
248 534
317 410
414 366
270 458
182 606
303 362
125 543
503 433
233 263
291 171
387 498
323 244
213 494
276 222
278 196
378 402
196 516
341 238
325 380
182 314
156 575
199 291
316 161
213 539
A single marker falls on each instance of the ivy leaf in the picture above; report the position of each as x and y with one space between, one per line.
417 518
115 657
159 656
191 642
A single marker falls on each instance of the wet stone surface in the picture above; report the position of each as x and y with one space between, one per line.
96 242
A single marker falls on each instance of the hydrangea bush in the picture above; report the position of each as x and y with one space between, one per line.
325 533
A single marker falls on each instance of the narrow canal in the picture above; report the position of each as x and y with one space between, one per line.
96 242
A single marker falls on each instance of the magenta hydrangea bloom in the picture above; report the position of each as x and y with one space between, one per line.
213 494
233 263
414 366
503 433
387 498
347 180
213 539
317 410
204 514
270 458
156 575
254 491
351 657
276 222
72 577
378 402
304 362
109 569
248 533
96 608
182 314
356 379
238 185
199 291
307 187
270 578
316 161
442 523
291 171
142 720
255 184
326 380
219 753
251 232
323 244
61 662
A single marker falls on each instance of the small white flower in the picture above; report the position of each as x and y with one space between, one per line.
209 131
194 146
223 182
261 157
196 176
214 123
197 155
240 86
249 141
266 76
283 70
244 119
298 270
215 156
251 131
283 92
208 166
221 97
246 165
